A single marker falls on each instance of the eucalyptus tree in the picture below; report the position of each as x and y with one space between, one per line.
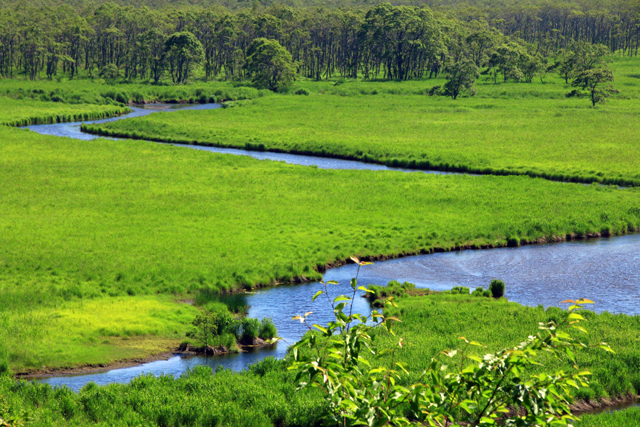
270 65
183 51
593 81
461 76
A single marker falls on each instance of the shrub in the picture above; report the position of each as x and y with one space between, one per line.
4 369
268 329
497 288
302 91
463 290
478 292
250 328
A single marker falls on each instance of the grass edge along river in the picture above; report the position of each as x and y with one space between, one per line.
265 394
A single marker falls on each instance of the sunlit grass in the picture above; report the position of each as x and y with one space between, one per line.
434 323
94 331
28 112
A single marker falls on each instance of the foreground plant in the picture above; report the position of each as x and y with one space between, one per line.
458 388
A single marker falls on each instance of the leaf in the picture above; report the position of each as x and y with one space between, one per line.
362 288
333 282
567 301
341 298
308 313
321 329
317 295
354 259
574 316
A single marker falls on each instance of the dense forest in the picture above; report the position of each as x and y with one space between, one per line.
148 40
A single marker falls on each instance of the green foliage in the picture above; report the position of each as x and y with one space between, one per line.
110 72
461 76
270 65
250 328
183 52
497 287
462 290
209 325
456 389
267 329
592 81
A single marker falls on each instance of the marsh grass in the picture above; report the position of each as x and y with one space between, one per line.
433 323
31 112
65 334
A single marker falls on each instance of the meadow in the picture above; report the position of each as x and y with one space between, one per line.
265 394
33 112
91 219
507 129
98 91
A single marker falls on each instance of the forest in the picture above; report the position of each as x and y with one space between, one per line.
365 40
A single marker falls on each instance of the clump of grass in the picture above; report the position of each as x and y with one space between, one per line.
497 287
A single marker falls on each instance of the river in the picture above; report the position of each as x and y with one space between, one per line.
604 270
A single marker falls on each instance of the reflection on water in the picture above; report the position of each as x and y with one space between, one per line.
605 270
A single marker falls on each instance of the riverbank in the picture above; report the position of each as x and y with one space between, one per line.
419 133
17 113
269 384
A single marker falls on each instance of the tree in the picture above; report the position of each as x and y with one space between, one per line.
183 51
592 80
461 76
269 65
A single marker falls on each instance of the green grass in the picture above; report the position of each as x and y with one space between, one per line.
86 219
266 394
556 139
59 334
32 112
508 129
433 323
97 91
624 418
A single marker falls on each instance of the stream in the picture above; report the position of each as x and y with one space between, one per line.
604 270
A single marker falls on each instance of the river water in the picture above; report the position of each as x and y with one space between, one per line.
604 270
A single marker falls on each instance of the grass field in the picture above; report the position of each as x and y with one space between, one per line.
120 218
31 112
266 395
557 139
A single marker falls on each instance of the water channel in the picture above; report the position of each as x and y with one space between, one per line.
604 270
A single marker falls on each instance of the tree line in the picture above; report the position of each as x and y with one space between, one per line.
381 41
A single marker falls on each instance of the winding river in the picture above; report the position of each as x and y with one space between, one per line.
604 270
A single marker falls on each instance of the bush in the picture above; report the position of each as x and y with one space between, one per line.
463 290
436 90
302 91
478 292
250 328
5 371
497 288
268 329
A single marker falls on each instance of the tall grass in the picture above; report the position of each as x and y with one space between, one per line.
30 112
120 218
435 322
